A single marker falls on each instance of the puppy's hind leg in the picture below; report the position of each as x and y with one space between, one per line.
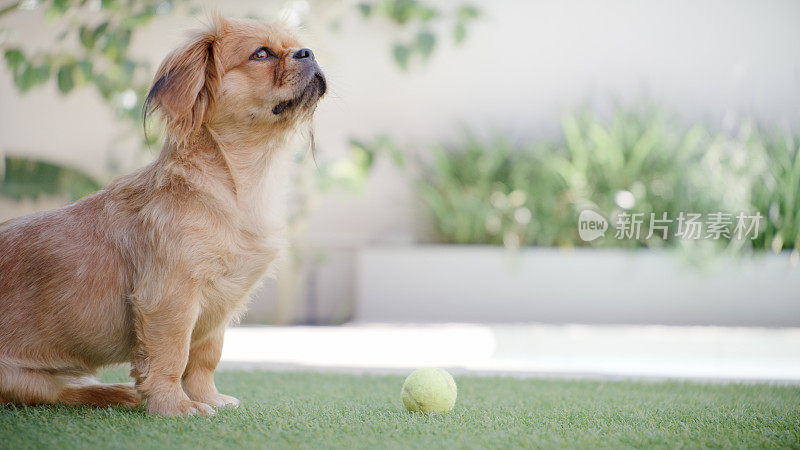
25 386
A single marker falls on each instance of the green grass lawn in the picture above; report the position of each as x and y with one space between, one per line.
304 409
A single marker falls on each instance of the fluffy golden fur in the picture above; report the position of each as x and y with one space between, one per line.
151 269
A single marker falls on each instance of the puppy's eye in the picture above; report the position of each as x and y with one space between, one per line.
261 53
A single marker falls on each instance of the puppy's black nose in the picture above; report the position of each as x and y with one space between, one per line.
304 53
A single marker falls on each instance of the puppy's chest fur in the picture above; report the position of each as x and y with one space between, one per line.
241 248
255 240
226 285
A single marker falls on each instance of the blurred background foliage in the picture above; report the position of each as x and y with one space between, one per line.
92 49
25 178
352 171
418 19
495 191
479 191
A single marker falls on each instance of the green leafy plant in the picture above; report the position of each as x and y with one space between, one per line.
776 189
489 191
418 19
30 178
92 49
352 171
638 162
477 192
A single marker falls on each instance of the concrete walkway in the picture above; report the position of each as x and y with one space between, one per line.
575 351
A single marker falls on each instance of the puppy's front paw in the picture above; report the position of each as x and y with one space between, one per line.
182 408
222 401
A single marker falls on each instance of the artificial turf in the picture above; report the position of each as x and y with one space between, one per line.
313 410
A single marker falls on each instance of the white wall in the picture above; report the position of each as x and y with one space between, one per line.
523 65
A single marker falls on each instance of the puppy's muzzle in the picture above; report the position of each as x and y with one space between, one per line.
313 90
318 81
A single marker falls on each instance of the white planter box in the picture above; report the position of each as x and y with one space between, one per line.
442 283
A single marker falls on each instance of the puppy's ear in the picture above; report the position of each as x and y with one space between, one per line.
185 86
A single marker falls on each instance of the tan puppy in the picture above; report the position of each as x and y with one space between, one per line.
151 269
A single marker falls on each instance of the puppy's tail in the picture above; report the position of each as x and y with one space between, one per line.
24 386
100 395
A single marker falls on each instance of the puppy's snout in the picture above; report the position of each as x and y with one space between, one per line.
303 53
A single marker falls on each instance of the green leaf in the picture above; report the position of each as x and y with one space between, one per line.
426 14
100 30
41 73
84 70
398 157
365 9
30 178
137 20
400 11
86 37
467 12
32 76
57 9
459 32
363 158
14 58
116 45
401 54
66 78
104 85
425 42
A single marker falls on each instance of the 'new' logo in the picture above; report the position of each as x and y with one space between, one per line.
591 225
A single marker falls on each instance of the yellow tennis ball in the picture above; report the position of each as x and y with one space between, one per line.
429 390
